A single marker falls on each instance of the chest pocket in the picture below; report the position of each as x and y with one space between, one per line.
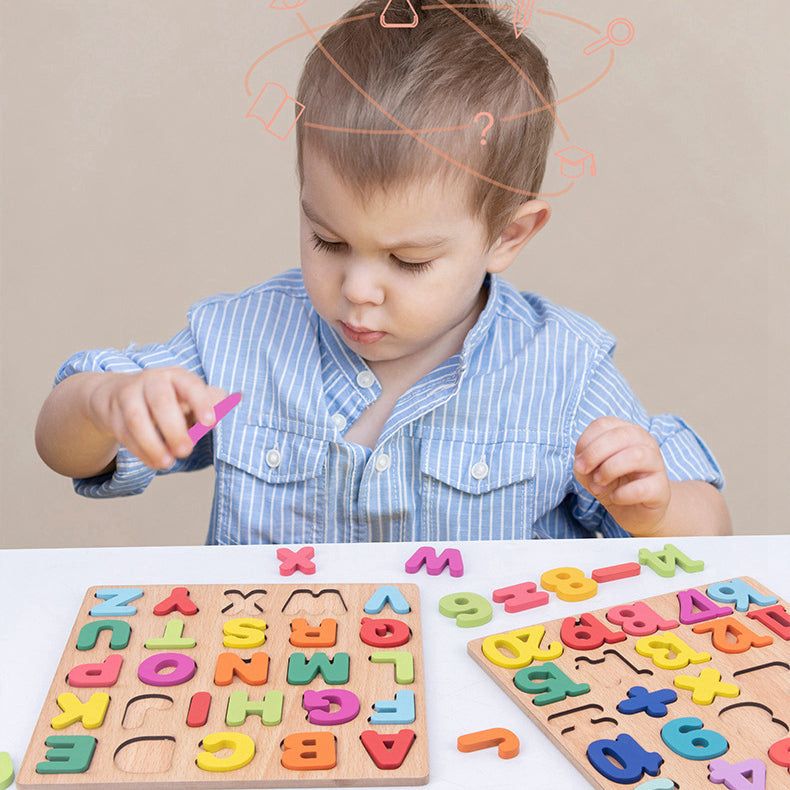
270 485
477 490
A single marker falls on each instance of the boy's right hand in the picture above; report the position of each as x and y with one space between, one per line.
150 412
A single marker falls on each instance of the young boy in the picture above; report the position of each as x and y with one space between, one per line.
396 388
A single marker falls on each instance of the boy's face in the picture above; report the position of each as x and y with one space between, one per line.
398 275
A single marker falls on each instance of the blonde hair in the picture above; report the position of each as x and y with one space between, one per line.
389 106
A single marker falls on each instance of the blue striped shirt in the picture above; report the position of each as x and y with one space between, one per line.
481 448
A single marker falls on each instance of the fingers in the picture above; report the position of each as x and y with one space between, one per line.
149 412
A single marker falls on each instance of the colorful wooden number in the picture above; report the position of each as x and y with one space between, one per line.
745 775
519 597
686 737
507 742
623 760
6 770
615 572
570 584
468 609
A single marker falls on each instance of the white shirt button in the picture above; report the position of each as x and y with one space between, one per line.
383 462
365 379
340 421
273 458
480 470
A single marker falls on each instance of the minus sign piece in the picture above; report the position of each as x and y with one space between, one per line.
198 430
614 572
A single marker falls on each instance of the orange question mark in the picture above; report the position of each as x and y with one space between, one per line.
485 128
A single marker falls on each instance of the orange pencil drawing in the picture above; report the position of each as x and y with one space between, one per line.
521 15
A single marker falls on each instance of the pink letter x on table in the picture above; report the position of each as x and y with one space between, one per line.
291 561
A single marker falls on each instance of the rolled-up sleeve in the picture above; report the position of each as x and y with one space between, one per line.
686 456
132 476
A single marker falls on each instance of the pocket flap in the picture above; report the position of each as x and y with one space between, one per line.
477 468
273 455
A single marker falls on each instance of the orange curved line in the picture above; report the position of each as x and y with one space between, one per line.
296 38
474 27
413 134
572 95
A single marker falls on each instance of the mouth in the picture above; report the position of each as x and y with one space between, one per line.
361 334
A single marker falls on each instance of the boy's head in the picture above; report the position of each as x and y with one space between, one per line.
388 106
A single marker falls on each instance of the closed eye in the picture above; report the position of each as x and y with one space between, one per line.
334 247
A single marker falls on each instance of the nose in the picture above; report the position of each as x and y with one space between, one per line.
362 283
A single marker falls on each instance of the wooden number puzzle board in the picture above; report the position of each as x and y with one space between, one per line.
144 739
751 722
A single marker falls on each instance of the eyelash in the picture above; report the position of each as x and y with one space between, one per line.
334 247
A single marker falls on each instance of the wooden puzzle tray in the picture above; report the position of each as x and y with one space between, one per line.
276 685
688 689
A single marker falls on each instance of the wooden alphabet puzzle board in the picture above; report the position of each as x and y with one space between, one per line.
660 693
252 686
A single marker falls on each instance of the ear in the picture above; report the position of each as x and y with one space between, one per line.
529 218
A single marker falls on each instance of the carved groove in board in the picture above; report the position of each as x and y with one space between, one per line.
236 607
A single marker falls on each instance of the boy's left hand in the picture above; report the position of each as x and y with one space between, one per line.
621 465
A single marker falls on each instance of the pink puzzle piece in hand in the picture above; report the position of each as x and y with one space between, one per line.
198 430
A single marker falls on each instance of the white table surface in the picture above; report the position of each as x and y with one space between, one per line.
42 590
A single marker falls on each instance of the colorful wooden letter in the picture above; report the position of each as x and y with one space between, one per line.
254 671
615 572
199 706
99 675
686 737
150 670
706 687
707 610
387 594
242 751
387 751
302 671
309 751
664 562
401 710
654 703
172 638
588 634
725 627
570 584
177 600
740 593
774 617
305 635
244 632
120 630
662 647
68 754
90 714
318 705
384 632
403 661
115 602
638 619
299 560
240 706
745 775
426 555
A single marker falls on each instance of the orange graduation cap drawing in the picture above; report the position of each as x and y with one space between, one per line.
274 109
286 4
574 161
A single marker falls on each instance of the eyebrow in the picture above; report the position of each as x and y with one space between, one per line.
415 243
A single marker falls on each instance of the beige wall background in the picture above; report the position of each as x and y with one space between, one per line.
133 185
